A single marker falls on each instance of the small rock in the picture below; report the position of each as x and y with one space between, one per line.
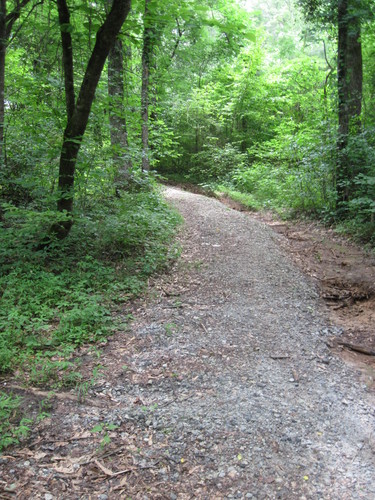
11 487
103 496
48 496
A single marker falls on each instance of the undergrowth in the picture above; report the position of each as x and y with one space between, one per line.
54 300
12 426
58 298
246 199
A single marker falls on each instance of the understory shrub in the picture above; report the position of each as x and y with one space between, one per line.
63 295
12 426
214 163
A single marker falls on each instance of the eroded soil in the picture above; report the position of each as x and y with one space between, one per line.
223 386
345 276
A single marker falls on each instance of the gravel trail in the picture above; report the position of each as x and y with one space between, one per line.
223 388
260 407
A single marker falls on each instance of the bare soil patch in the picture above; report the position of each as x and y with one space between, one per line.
345 275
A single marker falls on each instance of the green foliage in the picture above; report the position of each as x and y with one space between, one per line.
245 103
246 199
361 207
213 162
104 429
240 98
55 299
12 427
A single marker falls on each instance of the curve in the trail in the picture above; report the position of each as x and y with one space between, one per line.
260 407
221 387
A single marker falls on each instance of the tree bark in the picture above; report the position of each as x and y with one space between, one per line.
355 66
76 125
117 118
349 81
148 35
67 58
3 44
342 74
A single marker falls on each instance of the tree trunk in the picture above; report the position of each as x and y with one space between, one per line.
67 58
3 43
117 119
342 74
355 67
76 125
349 81
148 35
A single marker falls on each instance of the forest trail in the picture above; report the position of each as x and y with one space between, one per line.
222 387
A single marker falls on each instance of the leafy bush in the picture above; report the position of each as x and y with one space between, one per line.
215 163
60 297
12 426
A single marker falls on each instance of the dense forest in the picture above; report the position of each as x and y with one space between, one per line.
269 102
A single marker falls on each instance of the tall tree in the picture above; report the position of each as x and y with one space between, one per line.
79 115
148 39
349 82
117 116
346 17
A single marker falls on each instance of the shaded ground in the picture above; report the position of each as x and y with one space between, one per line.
223 386
345 276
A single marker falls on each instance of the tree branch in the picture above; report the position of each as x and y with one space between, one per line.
180 34
13 16
24 21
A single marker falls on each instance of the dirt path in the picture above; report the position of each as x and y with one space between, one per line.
224 387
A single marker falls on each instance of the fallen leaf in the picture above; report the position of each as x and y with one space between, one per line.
103 468
64 468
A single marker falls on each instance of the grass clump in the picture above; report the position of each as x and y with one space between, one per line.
246 199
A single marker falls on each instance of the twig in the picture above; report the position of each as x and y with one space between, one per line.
204 328
357 348
108 472
113 452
